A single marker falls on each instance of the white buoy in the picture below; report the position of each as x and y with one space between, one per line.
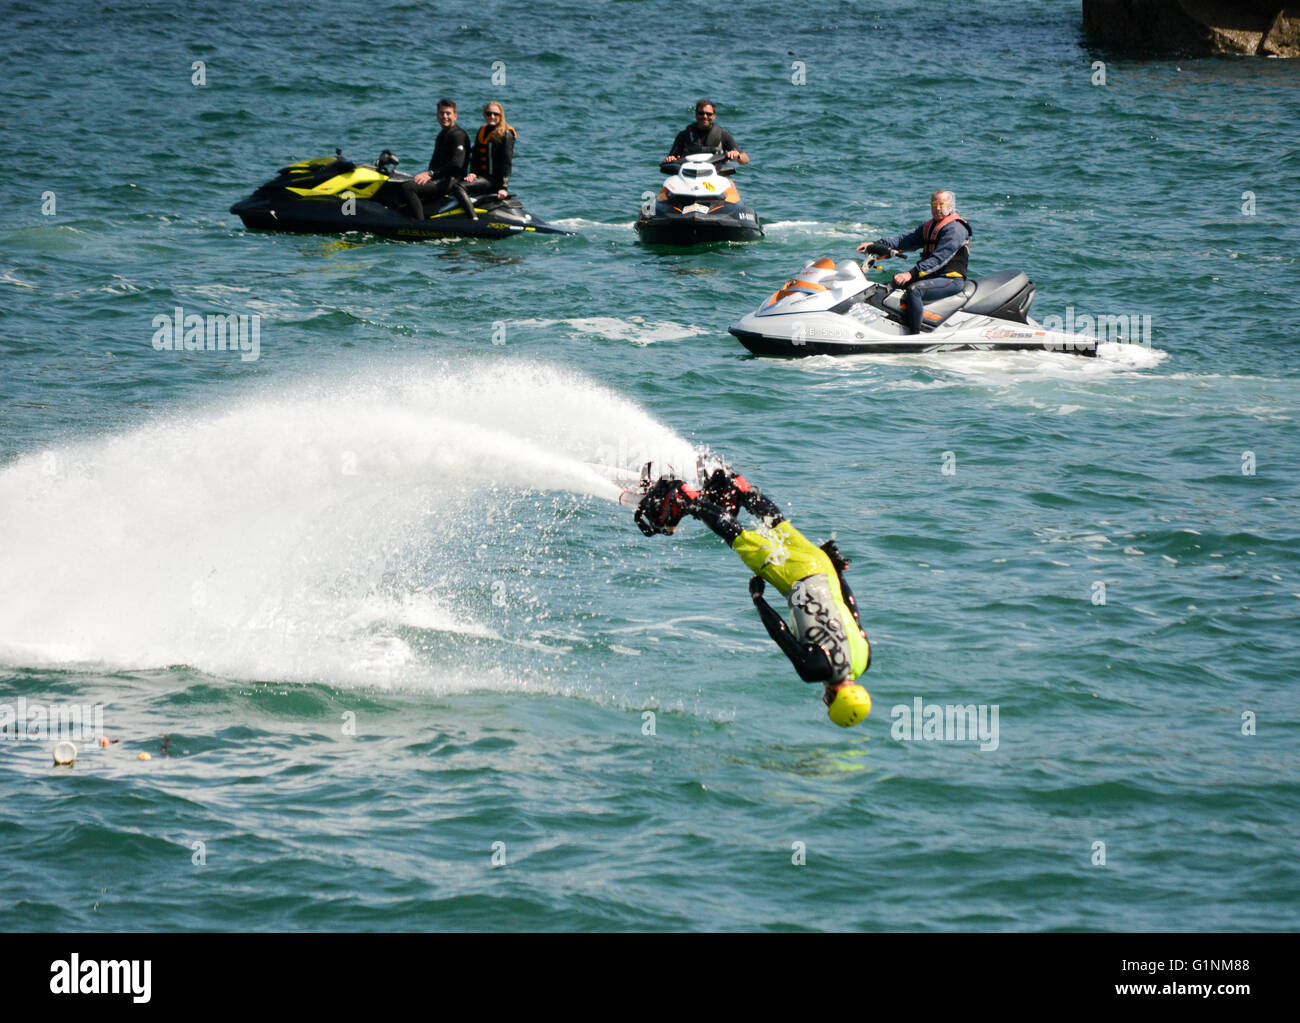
64 753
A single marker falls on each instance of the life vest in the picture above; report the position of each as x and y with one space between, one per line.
711 142
484 165
825 622
956 265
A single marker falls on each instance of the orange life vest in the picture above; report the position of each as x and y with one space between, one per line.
956 265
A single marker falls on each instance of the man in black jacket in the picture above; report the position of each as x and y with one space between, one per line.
944 241
705 136
446 165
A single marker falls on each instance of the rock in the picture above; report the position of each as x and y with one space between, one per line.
1242 27
1283 36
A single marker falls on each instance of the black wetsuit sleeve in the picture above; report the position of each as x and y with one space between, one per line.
728 143
679 144
905 242
507 158
849 599
852 603
451 155
809 661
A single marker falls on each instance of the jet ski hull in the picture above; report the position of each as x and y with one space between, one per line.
1029 339
331 195
326 216
697 205
681 229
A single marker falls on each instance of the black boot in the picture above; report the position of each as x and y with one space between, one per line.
724 488
466 203
731 491
415 208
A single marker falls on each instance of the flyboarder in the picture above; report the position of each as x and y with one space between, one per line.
827 644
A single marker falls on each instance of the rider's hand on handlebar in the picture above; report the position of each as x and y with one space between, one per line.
873 249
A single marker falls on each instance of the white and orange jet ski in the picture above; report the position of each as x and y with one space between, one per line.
831 308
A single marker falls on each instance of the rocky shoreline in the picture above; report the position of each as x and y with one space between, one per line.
1259 28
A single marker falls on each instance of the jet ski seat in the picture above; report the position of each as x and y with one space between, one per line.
946 306
1006 295
943 307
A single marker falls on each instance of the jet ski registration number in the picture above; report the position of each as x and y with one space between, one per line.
802 334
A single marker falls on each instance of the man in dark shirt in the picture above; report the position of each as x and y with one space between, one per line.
446 165
705 136
944 241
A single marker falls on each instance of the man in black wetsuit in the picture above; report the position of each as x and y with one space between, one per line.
944 241
446 166
827 644
705 136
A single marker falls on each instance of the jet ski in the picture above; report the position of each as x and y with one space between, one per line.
696 205
330 195
831 308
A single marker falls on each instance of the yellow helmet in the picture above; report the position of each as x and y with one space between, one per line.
852 704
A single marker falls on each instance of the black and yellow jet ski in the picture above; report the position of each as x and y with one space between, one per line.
329 195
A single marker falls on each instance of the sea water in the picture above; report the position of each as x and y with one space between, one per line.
400 659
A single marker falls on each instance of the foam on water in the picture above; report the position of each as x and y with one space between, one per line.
812 229
1112 358
636 329
280 538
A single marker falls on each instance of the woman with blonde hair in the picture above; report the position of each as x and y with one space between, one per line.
492 155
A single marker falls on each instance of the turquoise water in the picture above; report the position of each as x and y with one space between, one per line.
416 670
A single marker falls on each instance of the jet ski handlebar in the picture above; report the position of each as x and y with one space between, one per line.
717 159
873 260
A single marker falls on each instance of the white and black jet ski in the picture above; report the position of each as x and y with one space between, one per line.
831 308
697 204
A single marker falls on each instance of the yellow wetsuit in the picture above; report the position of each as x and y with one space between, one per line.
782 556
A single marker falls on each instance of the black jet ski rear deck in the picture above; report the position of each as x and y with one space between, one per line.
669 227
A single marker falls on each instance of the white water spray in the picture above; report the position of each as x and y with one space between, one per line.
284 538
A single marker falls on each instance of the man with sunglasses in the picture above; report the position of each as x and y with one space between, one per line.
944 241
705 136
446 166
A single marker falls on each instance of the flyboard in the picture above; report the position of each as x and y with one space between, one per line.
635 482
